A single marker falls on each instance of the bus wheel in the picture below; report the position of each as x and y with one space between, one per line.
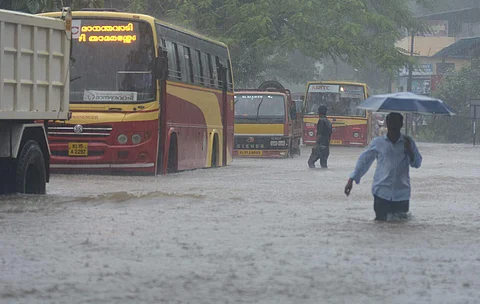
172 165
215 152
30 173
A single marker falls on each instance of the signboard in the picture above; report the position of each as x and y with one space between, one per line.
421 86
323 88
475 108
419 70
124 33
438 28
445 67
76 25
109 96
351 91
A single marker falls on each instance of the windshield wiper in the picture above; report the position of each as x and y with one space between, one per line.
258 108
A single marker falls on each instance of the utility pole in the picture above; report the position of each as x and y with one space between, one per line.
410 74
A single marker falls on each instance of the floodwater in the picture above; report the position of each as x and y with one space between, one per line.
258 231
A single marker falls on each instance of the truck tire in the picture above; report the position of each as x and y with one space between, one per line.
31 173
7 176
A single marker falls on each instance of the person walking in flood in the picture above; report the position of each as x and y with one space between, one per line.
395 153
322 145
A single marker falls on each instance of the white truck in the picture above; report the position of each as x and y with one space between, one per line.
34 88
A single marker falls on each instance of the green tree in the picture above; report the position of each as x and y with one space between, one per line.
38 6
456 90
354 31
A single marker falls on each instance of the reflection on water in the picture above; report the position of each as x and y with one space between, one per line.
259 231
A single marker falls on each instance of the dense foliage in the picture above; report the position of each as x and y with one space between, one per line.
279 38
37 6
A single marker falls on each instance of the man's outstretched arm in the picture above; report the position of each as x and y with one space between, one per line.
364 163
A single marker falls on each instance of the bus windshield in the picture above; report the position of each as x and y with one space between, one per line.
259 106
112 61
341 100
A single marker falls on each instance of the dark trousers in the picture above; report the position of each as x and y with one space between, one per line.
319 152
383 207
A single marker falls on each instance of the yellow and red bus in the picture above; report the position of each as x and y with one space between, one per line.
145 96
351 126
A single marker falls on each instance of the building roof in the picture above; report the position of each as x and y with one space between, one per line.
424 46
460 49
464 15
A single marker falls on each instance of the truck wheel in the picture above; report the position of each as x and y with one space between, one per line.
7 177
31 177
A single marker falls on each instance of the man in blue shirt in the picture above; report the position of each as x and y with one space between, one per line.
394 153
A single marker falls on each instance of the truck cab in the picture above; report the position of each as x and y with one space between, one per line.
267 123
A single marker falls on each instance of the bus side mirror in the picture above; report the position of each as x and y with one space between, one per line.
161 68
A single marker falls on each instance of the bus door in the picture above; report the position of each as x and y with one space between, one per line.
161 71
222 70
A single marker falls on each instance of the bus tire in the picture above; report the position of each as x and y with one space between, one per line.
30 171
172 164
214 163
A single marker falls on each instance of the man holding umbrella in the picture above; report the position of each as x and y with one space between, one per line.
394 153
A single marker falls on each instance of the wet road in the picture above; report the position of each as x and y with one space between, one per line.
259 231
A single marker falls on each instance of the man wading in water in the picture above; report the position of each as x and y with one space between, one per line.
394 153
322 146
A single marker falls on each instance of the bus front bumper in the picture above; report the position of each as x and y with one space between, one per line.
102 157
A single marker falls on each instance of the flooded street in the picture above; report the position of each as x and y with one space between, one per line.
258 231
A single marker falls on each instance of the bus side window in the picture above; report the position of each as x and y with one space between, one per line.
188 64
219 76
212 71
206 70
222 62
172 63
229 76
161 40
198 68
178 66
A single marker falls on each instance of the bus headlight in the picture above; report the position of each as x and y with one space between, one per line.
122 139
136 138
273 143
356 135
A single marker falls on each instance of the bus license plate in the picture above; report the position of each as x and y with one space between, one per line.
77 149
335 142
250 152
